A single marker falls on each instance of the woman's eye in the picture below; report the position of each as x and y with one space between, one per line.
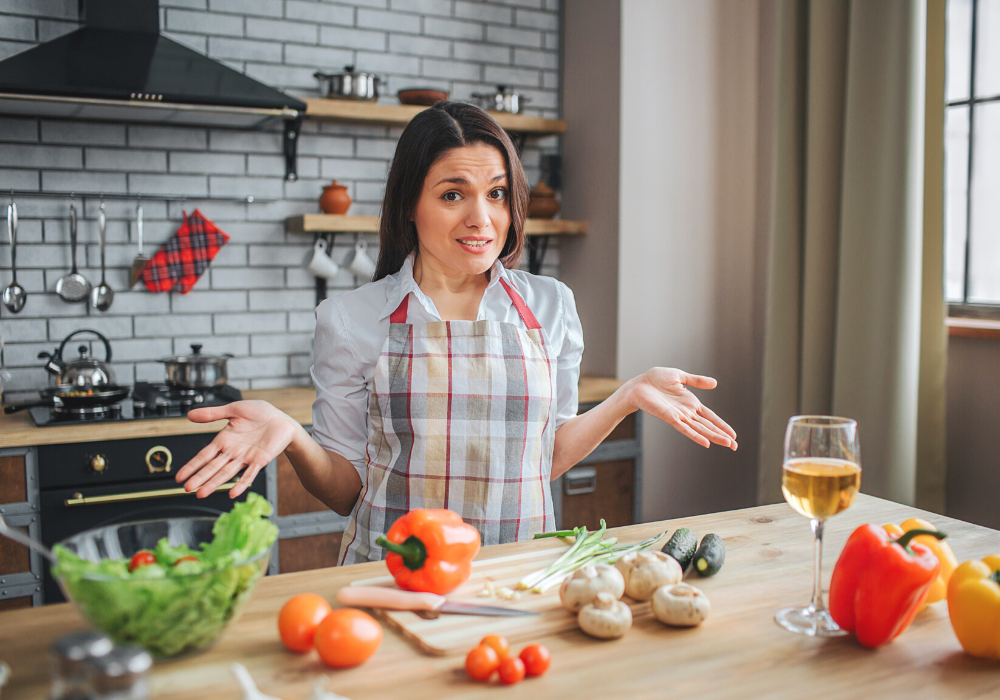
498 194
451 196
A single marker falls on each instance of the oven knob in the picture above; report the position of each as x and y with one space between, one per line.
158 459
98 464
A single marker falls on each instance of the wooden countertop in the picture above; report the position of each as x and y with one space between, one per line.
738 653
17 429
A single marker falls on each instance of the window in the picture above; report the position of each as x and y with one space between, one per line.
972 153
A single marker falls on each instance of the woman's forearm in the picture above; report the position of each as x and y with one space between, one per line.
577 437
326 475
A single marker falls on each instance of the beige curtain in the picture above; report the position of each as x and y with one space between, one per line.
854 319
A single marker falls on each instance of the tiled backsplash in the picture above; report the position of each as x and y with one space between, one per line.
256 300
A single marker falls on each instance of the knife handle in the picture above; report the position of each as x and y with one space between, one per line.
391 598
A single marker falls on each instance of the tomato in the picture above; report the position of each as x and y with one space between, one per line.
511 670
299 618
143 558
187 558
481 663
536 658
347 637
499 644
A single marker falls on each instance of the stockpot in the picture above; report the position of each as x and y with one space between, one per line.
196 371
349 85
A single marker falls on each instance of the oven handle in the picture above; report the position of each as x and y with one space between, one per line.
81 500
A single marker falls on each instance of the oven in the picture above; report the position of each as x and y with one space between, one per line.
86 485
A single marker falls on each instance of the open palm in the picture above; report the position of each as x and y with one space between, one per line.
257 433
663 392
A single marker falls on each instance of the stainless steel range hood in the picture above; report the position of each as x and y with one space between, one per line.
118 67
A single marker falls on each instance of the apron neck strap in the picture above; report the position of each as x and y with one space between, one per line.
399 315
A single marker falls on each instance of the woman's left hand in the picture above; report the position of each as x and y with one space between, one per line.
662 392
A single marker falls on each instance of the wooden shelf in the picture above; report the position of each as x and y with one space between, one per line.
399 115
973 327
338 223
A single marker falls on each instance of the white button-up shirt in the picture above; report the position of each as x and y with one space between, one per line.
351 330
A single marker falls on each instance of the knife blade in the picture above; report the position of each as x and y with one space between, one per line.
395 599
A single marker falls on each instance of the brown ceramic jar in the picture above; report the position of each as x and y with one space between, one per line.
335 199
543 203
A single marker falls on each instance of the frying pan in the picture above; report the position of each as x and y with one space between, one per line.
70 396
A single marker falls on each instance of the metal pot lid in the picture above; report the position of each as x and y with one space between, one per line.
196 358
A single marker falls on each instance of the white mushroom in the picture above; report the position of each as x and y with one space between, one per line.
584 585
680 605
605 618
644 572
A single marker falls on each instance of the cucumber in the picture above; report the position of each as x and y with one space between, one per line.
710 556
681 546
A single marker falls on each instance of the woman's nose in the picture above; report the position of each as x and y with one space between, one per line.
478 214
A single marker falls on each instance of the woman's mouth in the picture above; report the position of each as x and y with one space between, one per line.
475 245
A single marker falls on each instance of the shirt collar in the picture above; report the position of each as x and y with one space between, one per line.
405 284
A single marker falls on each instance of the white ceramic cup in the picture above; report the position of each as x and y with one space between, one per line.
359 262
321 264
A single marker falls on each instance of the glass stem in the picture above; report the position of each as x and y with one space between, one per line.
817 599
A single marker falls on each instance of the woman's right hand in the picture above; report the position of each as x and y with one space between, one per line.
257 433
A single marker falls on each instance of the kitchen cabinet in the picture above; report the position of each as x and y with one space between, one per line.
20 568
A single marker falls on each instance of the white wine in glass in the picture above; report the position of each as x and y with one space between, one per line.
820 478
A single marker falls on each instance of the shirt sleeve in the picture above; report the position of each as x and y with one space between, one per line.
568 362
340 411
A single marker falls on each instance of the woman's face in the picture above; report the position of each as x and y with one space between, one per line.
461 216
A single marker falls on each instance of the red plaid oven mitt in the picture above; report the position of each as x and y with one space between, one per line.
180 261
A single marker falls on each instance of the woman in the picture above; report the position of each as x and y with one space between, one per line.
451 380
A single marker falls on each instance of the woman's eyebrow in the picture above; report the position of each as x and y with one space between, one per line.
463 181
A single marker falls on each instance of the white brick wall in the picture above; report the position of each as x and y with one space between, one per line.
256 301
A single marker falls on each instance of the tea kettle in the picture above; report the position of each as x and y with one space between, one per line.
83 371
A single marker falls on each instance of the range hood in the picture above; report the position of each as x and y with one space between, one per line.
119 67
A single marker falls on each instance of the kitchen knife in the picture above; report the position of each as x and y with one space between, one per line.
395 599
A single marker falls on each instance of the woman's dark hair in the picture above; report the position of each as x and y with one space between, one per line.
428 137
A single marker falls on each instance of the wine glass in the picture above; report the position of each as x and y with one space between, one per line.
820 477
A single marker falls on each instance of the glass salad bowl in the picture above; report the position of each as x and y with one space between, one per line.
190 580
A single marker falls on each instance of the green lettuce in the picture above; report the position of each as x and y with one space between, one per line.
173 610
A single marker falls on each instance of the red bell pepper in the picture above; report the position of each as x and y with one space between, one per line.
879 583
430 550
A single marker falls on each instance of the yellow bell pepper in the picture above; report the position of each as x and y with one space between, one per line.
938 589
974 606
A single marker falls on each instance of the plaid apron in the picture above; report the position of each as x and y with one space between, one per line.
460 418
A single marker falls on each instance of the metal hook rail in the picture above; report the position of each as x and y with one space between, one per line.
249 199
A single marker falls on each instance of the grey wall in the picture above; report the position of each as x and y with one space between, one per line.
256 301
973 475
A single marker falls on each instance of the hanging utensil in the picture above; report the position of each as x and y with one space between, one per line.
102 295
73 286
14 295
141 260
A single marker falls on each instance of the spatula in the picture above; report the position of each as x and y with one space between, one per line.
141 260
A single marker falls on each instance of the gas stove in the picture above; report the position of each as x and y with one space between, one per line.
147 402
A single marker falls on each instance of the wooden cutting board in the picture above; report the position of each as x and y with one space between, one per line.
457 634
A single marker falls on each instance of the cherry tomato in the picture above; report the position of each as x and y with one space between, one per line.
499 644
511 670
347 637
481 663
536 658
299 618
187 558
142 558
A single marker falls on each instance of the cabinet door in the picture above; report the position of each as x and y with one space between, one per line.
601 490
13 480
309 552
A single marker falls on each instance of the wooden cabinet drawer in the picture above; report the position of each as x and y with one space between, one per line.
14 558
600 490
309 552
13 480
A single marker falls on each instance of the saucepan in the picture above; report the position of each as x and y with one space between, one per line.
196 371
349 85
69 396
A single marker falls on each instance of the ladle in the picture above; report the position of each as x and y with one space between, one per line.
73 286
12 533
14 295
102 295
141 259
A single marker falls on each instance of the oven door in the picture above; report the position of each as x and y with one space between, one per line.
71 511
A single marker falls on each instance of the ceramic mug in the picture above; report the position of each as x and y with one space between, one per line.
359 262
321 264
